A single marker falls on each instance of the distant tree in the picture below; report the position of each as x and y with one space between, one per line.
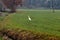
12 4
53 8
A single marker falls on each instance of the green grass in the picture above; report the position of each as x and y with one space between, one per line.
42 21
2 16
1 38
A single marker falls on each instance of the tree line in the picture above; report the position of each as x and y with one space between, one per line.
12 4
42 3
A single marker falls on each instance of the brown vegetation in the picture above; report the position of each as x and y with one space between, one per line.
26 35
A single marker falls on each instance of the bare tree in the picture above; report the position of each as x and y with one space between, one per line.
12 4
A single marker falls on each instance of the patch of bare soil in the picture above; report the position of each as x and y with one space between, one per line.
9 34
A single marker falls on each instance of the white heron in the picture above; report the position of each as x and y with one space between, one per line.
29 18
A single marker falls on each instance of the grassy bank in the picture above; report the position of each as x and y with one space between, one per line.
42 21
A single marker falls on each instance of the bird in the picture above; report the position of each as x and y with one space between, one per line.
29 18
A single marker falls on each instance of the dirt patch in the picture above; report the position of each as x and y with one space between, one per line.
26 35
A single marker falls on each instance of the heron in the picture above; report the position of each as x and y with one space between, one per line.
29 18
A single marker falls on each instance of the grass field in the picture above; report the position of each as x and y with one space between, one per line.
42 21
